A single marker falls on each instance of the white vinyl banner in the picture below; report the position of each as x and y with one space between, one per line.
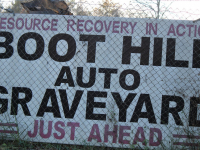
104 81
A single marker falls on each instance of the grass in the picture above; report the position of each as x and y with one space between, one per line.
25 145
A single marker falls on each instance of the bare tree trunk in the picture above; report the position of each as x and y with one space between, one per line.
155 7
158 9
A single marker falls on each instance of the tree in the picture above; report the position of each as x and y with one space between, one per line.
156 10
4 7
17 7
108 8
1 6
77 8
136 13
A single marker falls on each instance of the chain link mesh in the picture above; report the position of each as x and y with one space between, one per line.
122 75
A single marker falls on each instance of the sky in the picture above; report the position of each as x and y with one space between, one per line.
6 3
188 9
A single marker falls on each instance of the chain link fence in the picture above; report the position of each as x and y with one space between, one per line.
123 75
